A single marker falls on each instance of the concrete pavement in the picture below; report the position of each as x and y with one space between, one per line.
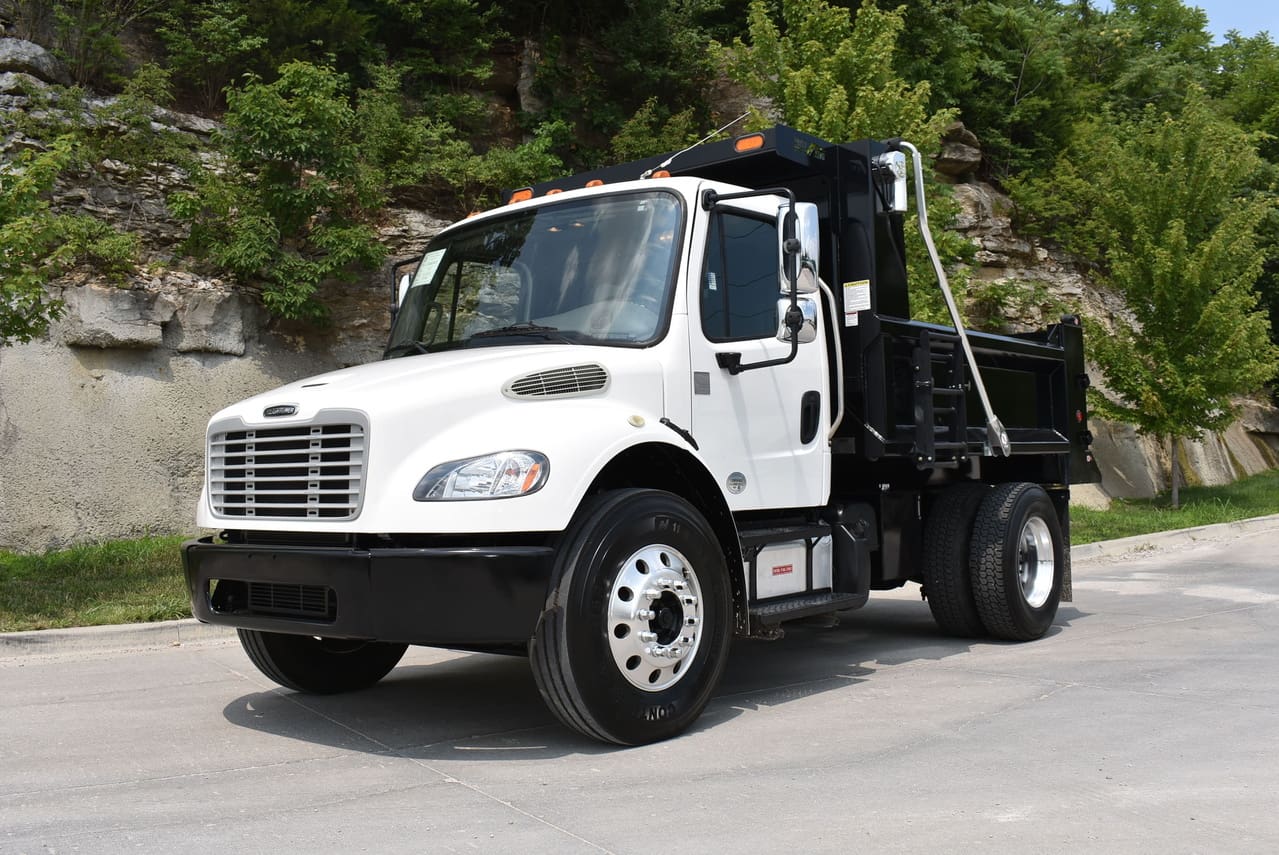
1146 721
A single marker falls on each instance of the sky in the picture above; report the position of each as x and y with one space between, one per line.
1249 17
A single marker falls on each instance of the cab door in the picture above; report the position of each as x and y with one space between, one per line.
761 431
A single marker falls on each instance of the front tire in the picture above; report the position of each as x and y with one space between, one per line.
320 666
636 629
1018 558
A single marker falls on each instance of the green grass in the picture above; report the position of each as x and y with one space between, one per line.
126 581
1257 496
133 581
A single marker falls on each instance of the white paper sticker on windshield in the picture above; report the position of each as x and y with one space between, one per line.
856 299
426 270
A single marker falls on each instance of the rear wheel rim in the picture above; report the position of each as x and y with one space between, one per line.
654 617
1036 563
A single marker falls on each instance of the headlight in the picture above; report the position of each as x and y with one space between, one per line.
493 476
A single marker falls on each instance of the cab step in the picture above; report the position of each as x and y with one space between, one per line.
764 535
774 612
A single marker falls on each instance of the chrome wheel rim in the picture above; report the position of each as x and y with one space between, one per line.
654 617
1036 566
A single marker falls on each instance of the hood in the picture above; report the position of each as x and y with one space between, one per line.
458 382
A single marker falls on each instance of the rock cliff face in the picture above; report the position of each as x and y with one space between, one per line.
102 422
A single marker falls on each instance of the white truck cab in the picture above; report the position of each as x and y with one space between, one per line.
619 422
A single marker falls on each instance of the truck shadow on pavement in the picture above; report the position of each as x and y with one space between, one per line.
479 707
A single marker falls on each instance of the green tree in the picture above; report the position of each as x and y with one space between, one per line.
475 178
602 62
208 45
87 36
831 75
287 209
1174 236
307 169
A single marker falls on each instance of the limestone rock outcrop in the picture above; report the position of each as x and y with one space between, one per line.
24 57
960 155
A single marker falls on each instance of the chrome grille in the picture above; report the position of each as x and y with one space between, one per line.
311 471
559 382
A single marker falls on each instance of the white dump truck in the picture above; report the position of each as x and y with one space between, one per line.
634 414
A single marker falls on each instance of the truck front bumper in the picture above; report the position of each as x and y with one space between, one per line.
443 596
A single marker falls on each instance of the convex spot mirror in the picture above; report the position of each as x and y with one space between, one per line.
808 329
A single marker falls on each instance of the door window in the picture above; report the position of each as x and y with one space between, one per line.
740 285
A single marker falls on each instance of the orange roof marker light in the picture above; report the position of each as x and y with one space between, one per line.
661 173
750 142
554 190
595 182
521 195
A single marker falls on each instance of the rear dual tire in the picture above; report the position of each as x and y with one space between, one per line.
1018 560
994 560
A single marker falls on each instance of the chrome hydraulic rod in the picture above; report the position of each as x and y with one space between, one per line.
996 435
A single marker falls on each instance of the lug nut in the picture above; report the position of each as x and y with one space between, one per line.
645 614
690 601
648 636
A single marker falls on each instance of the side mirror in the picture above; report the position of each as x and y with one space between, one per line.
808 329
400 283
801 245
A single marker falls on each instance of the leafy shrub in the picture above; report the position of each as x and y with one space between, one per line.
38 245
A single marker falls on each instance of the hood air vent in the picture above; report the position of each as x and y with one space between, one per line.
567 382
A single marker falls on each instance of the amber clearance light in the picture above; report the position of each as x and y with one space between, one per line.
751 142
521 195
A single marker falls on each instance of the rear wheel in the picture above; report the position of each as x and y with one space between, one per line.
637 625
947 579
321 666
1018 558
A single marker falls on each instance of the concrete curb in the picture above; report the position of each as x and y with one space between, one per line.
1178 537
116 638
190 632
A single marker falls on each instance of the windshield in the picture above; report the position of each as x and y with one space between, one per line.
595 271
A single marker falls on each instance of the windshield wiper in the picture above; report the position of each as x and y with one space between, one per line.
526 328
405 347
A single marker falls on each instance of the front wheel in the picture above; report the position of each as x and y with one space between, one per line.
1017 561
320 666
637 624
